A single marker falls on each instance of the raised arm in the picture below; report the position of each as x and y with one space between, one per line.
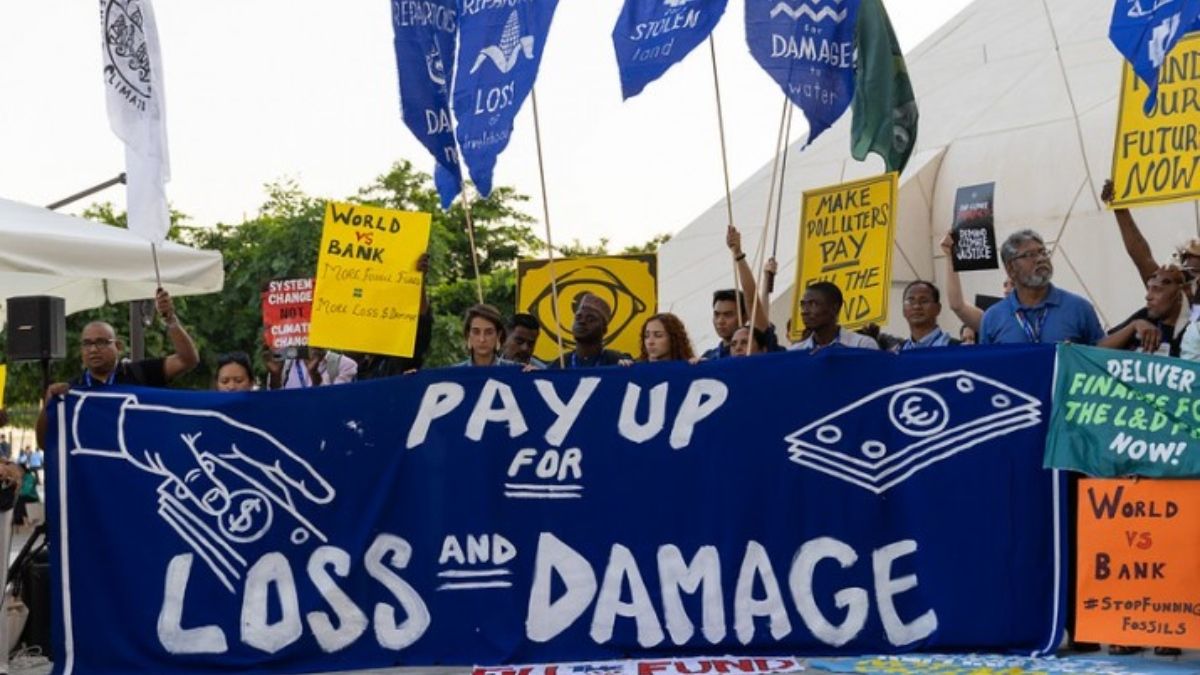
969 314
733 239
185 356
1136 245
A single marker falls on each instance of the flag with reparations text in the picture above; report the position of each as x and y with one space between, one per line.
488 515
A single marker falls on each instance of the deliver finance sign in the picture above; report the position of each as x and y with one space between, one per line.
490 516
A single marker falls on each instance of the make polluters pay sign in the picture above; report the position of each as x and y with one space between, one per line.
846 235
368 290
1157 155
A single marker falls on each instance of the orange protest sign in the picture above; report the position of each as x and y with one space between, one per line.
1138 580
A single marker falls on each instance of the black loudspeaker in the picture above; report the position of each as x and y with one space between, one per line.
37 328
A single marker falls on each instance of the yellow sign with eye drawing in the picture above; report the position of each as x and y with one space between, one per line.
628 283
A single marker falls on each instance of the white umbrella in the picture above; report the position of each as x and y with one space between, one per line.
89 264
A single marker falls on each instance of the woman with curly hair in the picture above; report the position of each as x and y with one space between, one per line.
664 338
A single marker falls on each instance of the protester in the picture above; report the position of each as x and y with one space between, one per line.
592 315
1139 251
28 494
312 367
967 335
739 344
664 338
6 447
373 366
819 309
523 330
483 330
970 315
727 305
100 350
234 372
922 305
1036 311
1158 327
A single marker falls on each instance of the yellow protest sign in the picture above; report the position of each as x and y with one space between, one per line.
1157 156
628 283
846 235
368 289
3 381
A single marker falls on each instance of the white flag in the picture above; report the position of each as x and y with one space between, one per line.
133 85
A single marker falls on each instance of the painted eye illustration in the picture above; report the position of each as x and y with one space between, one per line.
626 306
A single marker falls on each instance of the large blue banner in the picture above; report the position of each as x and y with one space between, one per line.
653 35
843 503
1145 31
807 47
501 46
425 34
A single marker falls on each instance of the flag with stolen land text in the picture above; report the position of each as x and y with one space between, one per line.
807 47
1124 414
653 35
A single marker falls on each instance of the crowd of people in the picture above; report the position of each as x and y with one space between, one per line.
1031 310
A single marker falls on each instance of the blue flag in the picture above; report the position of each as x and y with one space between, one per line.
425 33
653 35
501 45
1144 31
807 46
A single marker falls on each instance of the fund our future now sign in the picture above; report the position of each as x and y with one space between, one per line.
1157 155
368 288
489 516
846 237
1124 414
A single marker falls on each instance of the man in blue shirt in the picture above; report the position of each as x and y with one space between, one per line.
1036 311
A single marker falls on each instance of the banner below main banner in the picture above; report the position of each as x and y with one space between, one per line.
1120 413
490 516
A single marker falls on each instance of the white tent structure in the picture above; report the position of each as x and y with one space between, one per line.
88 264
1020 92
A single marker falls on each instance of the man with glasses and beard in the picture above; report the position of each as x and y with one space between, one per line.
1036 311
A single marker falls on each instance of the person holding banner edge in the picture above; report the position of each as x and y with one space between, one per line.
100 350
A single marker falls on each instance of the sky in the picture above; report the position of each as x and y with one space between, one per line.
263 90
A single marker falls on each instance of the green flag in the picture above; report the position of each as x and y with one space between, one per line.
885 111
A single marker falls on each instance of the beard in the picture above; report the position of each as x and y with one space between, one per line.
1037 278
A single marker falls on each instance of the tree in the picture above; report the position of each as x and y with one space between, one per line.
282 241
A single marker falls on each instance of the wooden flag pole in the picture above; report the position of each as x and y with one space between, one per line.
466 204
787 138
712 50
157 272
759 261
537 132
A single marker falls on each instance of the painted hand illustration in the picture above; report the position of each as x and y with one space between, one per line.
225 482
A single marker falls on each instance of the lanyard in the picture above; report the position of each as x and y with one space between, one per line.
1033 330
575 360
87 378
299 369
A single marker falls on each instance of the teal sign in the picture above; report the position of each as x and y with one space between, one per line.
1120 413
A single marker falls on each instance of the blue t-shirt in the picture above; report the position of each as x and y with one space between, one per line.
1061 317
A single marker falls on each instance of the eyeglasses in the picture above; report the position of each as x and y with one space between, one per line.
98 343
1040 253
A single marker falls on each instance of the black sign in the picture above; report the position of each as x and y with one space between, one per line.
974 231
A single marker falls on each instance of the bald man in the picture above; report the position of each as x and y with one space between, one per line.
100 350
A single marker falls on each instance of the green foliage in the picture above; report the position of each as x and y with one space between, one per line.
282 241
